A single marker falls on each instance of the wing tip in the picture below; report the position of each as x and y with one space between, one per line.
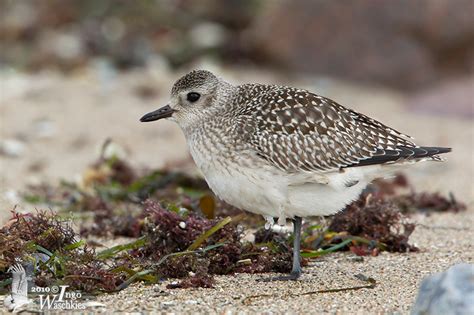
406 154
431 151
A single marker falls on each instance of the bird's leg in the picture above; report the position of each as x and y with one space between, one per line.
296 270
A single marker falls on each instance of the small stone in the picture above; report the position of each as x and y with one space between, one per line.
182 225
208 35
94 304
355 258
66 46
247 261
113 150
13 196
44 128
12 148
113 29
160 292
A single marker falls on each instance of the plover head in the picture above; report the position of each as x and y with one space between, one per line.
194 97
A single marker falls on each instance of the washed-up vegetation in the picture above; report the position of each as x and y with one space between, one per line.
177 229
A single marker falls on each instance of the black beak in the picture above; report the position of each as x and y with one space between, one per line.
163 112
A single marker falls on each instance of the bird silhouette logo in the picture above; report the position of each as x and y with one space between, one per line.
19 294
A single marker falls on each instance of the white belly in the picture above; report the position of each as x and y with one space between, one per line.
320 199
265 190
266 193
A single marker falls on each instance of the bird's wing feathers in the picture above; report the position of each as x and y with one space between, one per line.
300 131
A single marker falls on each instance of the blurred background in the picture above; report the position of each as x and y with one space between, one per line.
74 73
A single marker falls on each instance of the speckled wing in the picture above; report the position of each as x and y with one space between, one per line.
297 131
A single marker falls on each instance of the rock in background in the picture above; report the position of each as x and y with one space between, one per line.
450 292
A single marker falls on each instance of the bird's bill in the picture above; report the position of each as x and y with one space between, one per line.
163 112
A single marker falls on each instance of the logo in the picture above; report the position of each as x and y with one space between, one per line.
48 298
58 298
19 295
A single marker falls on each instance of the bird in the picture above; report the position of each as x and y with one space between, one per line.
19 295
283 152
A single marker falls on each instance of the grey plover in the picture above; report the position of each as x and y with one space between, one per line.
283 152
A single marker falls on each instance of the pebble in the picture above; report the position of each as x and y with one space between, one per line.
208 35
12 148
44 128
64 45
167 303
355 258
247 261
12 196
112 149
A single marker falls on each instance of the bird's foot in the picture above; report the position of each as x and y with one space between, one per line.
292 276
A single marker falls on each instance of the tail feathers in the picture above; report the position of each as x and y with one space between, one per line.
430 151
404 154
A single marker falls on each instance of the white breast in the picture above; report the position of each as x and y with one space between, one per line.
256 190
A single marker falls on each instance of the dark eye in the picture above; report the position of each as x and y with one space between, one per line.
193 96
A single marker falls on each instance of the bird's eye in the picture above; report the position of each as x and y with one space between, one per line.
193 96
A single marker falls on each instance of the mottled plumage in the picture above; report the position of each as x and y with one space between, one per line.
281 151
297 130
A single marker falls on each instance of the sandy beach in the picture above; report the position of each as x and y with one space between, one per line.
444 240
60 123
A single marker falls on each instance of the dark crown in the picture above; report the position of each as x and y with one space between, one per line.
193 79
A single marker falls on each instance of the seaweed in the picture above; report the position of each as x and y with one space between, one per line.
172 245
427 202
40 229
168 233
178 229
379 222
412 202
48 246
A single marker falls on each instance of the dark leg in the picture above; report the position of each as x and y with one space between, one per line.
296 270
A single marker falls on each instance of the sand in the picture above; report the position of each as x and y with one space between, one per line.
444 240
61 121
